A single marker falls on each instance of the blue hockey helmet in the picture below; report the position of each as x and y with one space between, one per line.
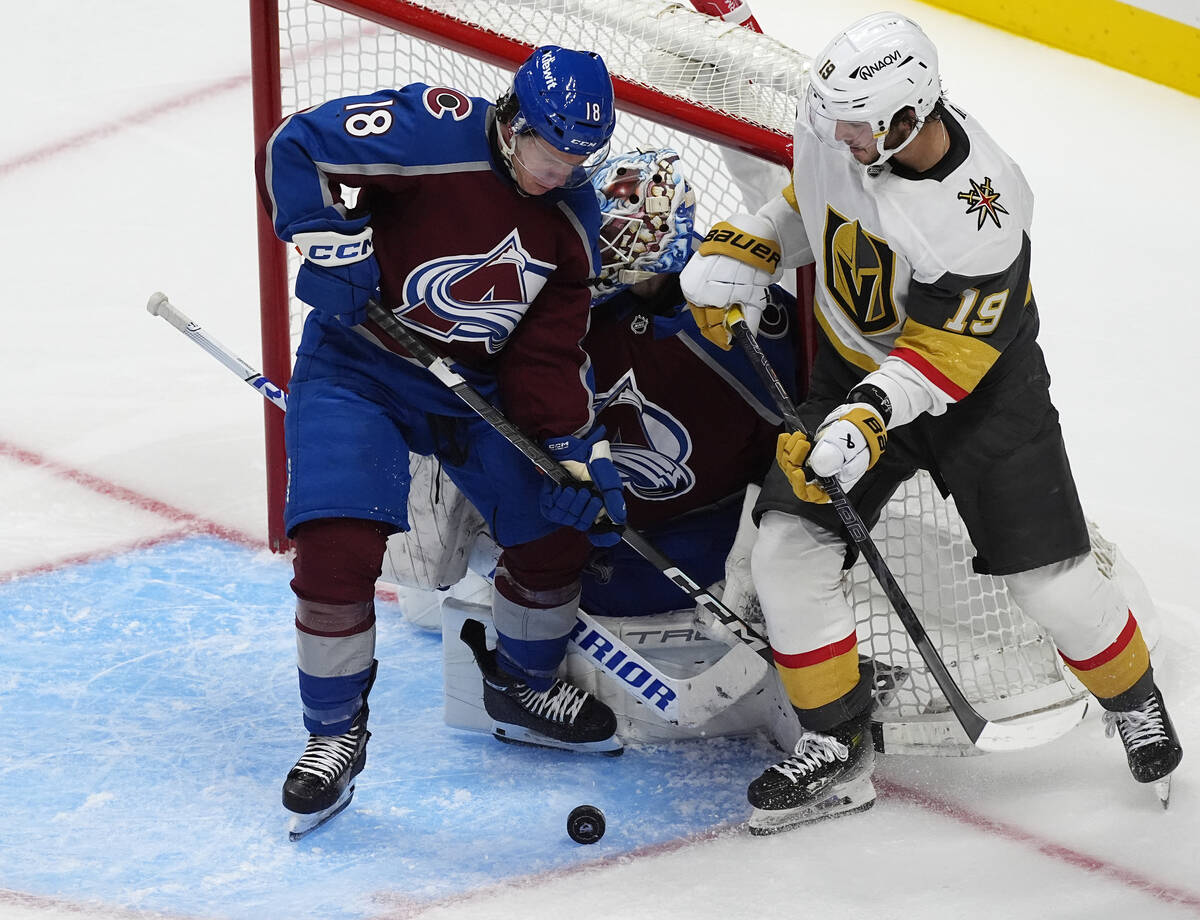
647 215
566 97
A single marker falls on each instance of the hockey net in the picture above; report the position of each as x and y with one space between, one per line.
706 88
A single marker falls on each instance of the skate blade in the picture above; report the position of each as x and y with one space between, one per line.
1162 789
848 799
515 734
300 826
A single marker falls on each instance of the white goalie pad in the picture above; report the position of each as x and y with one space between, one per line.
433 553
663 676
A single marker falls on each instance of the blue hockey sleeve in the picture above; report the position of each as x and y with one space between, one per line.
311 151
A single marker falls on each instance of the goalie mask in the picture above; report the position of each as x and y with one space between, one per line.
867 74
647 210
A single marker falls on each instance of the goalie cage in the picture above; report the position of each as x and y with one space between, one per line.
721 95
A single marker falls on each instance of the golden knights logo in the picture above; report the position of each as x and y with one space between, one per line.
859 269
983 200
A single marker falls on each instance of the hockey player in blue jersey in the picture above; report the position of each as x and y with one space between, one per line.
476 225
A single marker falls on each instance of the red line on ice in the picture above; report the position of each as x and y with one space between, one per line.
191 523
1128 877
399 908
100 132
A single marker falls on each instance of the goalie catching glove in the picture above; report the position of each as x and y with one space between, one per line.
848 443
339 274
732 267
588 460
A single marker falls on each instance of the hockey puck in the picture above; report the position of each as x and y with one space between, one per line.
585 824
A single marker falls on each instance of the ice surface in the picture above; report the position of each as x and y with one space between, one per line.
147 686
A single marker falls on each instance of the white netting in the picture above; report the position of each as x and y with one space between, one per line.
1006 664
1002 660
325 54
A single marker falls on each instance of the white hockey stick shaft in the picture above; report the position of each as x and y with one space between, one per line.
158 305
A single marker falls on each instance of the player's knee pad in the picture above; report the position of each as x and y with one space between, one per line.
1083 610
546 564
338 560
796 566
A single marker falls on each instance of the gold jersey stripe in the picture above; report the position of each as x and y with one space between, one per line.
821 684
789 195
955 363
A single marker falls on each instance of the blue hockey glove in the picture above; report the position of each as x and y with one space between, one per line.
339 274
588 460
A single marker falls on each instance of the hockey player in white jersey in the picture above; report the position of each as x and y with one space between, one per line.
919 227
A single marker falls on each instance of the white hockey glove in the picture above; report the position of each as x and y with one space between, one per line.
847 444
733 266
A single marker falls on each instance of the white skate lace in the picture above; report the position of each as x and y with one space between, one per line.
811 751
561 703
1139 727
328 755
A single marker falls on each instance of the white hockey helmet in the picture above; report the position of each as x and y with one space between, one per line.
873 69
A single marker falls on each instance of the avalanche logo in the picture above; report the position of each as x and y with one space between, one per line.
439 100
653 470
474 298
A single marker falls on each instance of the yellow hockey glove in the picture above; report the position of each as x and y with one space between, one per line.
791 451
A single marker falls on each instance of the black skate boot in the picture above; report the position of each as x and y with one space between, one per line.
561 717
321 784
827 775
1151 745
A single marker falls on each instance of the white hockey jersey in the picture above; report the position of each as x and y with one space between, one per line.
924 275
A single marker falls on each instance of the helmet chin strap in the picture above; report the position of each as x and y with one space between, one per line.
885 155
508 149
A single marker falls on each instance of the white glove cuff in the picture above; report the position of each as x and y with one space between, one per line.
909 393
330 249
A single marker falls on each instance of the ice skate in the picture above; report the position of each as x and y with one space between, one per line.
321 784
1151 745
562 717
828 775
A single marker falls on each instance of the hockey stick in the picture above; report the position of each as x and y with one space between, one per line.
158 305
690 702
1011 735
441 369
